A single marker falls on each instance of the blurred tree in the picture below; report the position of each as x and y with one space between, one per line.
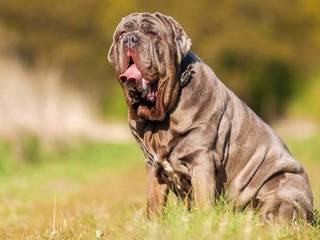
263 50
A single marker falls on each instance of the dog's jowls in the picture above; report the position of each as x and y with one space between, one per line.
198 138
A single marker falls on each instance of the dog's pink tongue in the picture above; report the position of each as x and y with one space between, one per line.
132 75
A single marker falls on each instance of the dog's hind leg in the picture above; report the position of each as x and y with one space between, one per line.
285 199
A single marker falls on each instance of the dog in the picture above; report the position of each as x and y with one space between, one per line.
200 141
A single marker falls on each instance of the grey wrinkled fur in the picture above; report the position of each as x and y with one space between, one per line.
205 141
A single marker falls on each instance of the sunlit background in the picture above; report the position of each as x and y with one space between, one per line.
63 131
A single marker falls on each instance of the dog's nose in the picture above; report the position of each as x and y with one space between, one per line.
130 40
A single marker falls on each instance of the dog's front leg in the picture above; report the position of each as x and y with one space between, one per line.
156 192
203 181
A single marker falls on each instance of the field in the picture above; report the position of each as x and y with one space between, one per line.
96 191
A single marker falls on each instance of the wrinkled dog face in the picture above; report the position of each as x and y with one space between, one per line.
146 53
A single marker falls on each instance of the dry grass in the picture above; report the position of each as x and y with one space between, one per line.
96 191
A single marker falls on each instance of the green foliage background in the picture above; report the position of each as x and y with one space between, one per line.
263 50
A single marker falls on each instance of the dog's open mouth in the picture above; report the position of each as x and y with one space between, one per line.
141 91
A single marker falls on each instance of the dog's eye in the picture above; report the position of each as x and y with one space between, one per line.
152 33
121 34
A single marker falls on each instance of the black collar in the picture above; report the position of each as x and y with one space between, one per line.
186 71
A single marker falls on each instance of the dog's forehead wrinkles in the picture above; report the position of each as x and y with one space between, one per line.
143 25
147 26
149 20
141 21
130 24
146 23
129 21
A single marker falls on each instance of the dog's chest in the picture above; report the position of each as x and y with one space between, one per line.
158 148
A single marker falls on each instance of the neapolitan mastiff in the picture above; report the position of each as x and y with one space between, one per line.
198 138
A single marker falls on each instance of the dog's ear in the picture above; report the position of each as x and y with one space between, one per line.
113 53
182 41
179 37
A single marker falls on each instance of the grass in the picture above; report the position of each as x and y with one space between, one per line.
97 191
